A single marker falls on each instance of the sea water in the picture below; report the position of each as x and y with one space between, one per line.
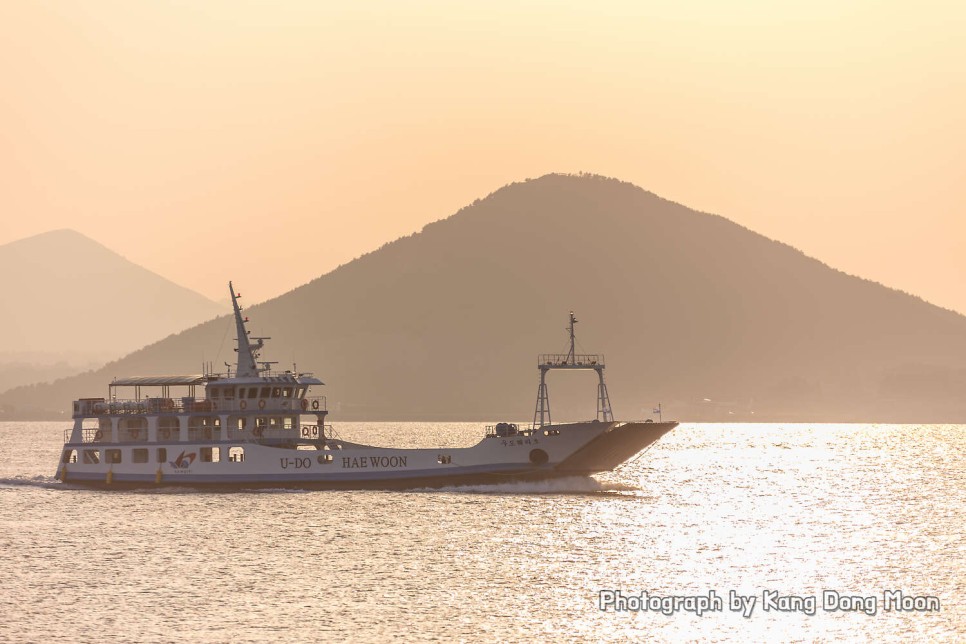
721 532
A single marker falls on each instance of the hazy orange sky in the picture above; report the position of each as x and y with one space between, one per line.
268 142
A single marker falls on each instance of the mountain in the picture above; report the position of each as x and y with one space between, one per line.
691 310
67 296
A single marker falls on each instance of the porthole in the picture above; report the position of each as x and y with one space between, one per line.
538 457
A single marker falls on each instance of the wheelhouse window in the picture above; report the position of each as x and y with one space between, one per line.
252 392
214 393
229 393
266 391
276 392
287 392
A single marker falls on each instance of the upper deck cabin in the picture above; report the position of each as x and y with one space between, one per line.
200 408
284 392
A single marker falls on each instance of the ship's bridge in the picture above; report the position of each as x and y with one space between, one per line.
276 391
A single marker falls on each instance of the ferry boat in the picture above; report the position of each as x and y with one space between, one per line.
257 427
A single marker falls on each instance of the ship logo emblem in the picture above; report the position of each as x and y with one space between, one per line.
183 461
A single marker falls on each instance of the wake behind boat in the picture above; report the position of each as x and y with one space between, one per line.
245 429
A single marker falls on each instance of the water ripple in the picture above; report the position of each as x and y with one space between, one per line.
795 508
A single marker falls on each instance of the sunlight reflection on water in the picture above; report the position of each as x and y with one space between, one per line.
794 508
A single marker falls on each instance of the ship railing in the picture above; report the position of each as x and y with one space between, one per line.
585 360
188 405
117 406
506 430
95 435
88 435
263 373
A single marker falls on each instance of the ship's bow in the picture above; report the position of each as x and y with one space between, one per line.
613 447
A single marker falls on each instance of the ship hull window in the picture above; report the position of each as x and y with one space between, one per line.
139 455
210 454
92 456
70 455
113 455
236 454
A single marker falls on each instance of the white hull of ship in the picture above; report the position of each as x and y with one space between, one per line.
548 452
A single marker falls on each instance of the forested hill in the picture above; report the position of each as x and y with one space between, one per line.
691 310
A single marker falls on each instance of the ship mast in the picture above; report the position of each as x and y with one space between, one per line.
573 321
247 352
571 361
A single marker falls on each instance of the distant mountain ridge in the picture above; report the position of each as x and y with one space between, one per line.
64 293
691 310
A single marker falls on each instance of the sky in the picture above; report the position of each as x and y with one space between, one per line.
270 142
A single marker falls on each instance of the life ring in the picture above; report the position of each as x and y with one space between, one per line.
261 404
305 404
165 433
305 432
258 431
315 432
134 432
315 404
243 404
98 435
208 433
